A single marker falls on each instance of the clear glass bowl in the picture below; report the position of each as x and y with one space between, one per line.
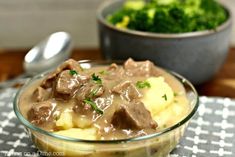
159 144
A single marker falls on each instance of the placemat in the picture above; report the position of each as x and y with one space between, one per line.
211 133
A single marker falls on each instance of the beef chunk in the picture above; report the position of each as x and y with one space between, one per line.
133 116
90 90
83 110
143 68
127 90
113 67
67 65
41 94
41 112
66 84
114 72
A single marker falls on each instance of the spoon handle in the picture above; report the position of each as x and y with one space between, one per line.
19 80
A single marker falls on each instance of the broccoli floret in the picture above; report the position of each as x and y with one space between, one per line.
210 6
165 2
124 23
118 16
215 13
151 13
162 23
140 22
172 21
134 4
176 13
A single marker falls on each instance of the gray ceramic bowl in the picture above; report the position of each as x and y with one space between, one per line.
196 55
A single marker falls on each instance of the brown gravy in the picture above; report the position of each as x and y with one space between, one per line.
89 98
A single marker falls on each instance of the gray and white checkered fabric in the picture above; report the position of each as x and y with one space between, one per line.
211 132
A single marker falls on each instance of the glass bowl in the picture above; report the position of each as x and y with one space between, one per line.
159 144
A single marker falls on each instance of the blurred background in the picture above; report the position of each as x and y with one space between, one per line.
24 23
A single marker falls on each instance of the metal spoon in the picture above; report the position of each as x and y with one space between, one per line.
47 54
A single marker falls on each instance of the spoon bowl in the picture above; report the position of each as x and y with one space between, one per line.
48 53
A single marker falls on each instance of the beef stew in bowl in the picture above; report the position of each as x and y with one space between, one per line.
90 109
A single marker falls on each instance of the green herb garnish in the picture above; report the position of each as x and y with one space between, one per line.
143 84
103 72
93 105
94 92
165 97
73 72
96 79
176 94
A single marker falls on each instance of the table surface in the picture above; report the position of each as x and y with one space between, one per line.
222 84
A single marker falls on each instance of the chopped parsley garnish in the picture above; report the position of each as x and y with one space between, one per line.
143 84
175 94
93 105
94 92
103 72
96 79
165 97
73 72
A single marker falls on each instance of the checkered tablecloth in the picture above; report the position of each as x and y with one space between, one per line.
211 132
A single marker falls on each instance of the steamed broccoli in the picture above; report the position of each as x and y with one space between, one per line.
140 21
169 16
118 16
134 5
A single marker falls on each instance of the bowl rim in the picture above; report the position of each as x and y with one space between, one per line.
102 20
29 125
